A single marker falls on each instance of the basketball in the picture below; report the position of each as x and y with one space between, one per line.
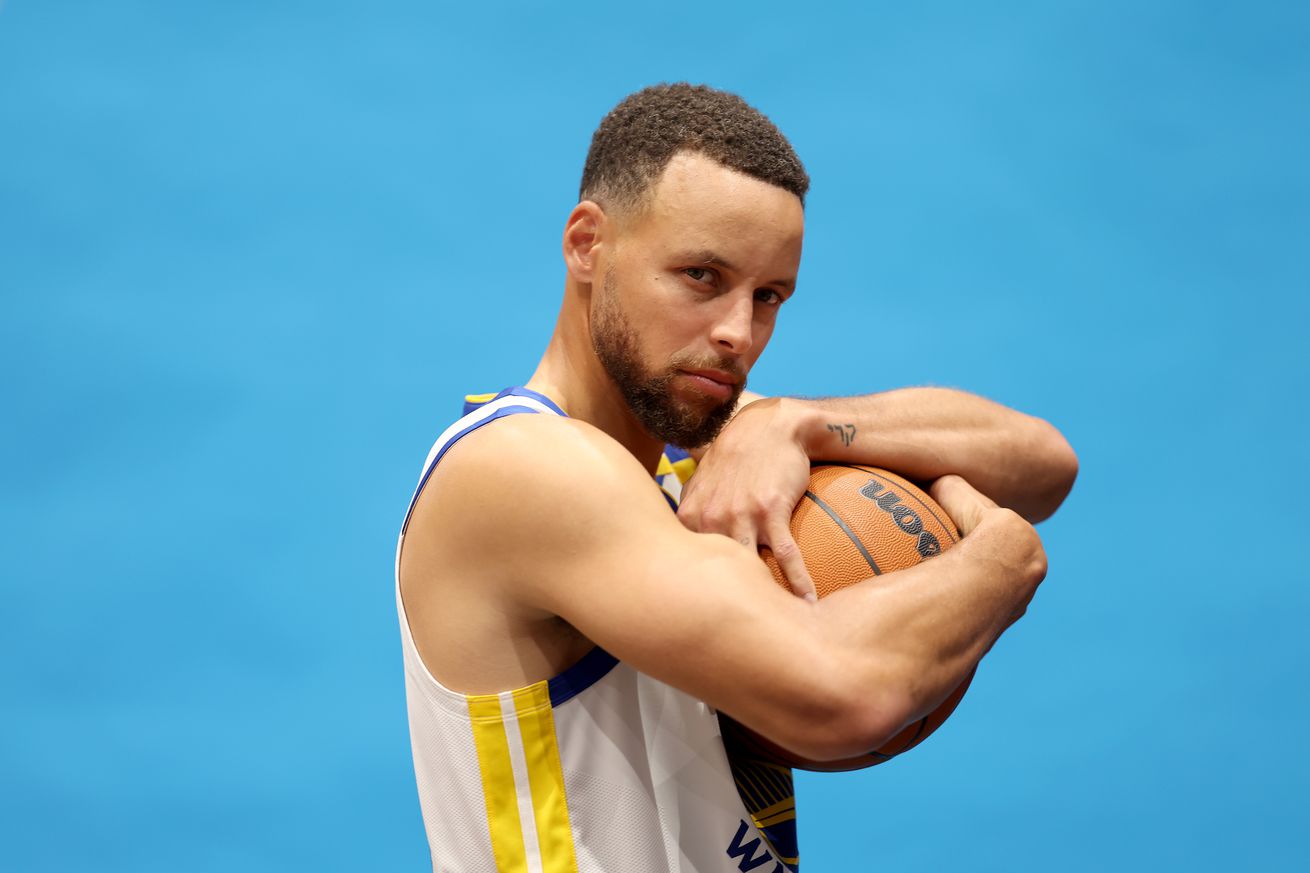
855 522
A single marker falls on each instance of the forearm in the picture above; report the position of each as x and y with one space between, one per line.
915 634
1020 461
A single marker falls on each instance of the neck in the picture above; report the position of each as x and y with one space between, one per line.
570 374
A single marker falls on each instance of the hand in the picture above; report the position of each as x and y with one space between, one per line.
965 504
1010 539
748 484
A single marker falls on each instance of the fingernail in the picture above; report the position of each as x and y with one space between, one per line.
811 597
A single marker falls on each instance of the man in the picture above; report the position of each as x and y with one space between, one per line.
568 639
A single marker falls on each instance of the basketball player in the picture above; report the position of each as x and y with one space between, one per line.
569 639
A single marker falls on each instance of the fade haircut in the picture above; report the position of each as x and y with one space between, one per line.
638 138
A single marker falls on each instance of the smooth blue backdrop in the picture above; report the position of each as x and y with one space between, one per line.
252 254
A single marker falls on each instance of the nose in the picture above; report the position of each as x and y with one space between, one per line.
732 331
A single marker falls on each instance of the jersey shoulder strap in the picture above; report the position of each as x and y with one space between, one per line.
480 410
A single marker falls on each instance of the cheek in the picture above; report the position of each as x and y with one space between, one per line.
764 331
646 294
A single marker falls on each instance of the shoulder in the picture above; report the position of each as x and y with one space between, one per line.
531 483
530 452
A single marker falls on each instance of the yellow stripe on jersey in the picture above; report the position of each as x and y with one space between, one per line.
497 783
545 778
766 790
683 468
780 811
771 820
663 468
479 398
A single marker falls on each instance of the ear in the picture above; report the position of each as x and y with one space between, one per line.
582 237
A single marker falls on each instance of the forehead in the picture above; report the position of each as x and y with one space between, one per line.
698 202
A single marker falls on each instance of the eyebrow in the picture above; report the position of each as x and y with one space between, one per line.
711 258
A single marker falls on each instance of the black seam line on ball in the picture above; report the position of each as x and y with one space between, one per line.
832 513
949 528
918 735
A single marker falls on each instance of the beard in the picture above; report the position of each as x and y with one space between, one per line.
649 395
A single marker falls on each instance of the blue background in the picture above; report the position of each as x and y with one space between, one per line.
252 255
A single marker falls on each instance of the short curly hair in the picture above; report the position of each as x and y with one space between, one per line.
637 139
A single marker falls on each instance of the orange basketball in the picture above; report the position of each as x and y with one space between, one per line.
855 522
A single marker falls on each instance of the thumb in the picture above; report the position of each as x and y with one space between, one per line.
962 502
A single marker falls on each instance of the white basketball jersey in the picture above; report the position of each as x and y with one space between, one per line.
601 769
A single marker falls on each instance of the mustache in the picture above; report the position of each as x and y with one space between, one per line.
710 363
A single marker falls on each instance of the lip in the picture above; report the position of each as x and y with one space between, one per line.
716 383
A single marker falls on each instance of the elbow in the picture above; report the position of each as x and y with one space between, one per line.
872 722
1064 461
843 723
1059 466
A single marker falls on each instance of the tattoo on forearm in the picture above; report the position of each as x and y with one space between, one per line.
845 431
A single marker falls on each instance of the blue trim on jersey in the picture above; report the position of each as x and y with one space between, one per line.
594 665
469 407
675 454
782 836
517 391
499 413
581 676
520 391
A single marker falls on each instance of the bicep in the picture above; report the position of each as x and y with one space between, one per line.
621 568
697 611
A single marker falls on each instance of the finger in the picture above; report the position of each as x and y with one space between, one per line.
962 502
694 514
960 486
788 555
745 536
688 515
717 518
688 489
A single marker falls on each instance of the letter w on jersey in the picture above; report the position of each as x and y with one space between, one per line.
746 852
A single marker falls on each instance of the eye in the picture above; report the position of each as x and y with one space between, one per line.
700 274
769 297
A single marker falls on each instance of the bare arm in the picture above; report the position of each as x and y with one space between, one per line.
1018 460
702 614
750 478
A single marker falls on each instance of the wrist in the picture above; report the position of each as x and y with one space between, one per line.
805 424
1012 543
826 435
